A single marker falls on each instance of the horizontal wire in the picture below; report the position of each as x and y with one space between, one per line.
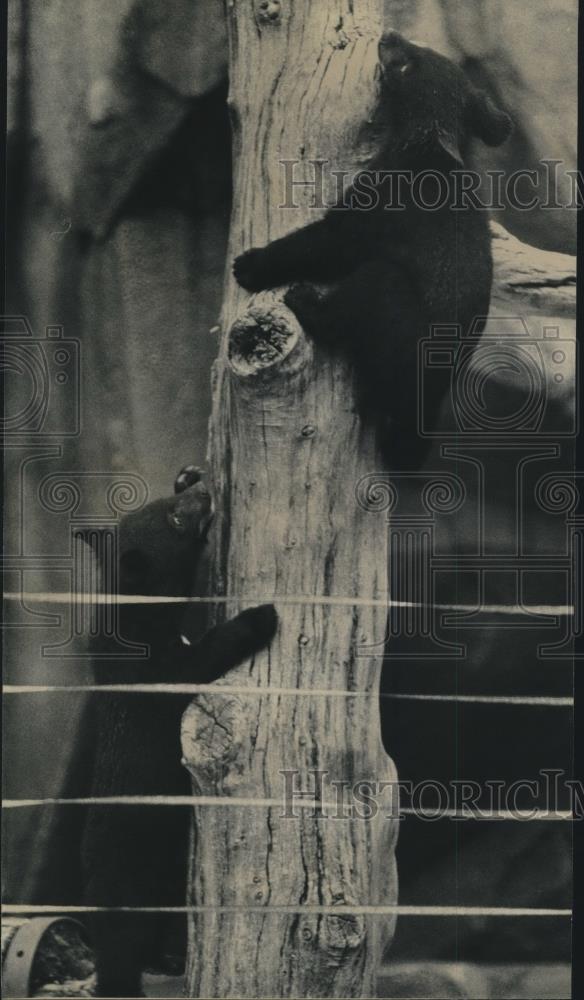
486 699
256 692
334 910
488 815
562 610
155 800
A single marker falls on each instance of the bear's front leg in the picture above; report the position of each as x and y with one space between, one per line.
293 258
227 645
322 251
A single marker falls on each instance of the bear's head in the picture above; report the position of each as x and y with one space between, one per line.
159 546
432 103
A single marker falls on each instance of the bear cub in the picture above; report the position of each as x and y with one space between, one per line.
136 855
395 272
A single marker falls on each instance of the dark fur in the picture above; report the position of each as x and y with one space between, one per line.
136 855
396 272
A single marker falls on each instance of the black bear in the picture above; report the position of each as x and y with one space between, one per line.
397 271
136 855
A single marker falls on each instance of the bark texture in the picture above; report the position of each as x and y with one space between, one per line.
288 452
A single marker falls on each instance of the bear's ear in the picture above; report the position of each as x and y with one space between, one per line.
487 121
188 476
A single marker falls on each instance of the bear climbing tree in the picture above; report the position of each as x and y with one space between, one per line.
287 453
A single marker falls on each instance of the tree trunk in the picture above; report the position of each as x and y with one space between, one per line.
287 452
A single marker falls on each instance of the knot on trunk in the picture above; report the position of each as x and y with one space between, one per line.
208 737
325 944
342 934
268 11
267 337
